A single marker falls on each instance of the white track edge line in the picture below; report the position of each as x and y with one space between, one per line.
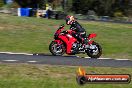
122 59
32 61
10 60
15 53
109 58
77 56
104 58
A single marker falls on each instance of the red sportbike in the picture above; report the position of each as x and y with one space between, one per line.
65 43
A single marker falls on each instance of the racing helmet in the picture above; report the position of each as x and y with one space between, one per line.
69 20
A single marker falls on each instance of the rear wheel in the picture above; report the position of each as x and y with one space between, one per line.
56 49
94 51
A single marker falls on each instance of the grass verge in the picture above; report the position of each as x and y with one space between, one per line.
47 76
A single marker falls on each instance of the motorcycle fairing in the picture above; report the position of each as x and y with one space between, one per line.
68 40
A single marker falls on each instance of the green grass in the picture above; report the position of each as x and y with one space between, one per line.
47 76
32 35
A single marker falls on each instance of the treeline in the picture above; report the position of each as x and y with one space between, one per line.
100 7
103 7
1 3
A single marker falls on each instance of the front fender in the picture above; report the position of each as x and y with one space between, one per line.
58 41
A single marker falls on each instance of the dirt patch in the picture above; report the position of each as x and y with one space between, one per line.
1 28
129 26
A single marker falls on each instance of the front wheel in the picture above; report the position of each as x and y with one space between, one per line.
94 51
56 49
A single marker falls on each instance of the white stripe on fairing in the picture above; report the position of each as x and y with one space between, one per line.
10 60
32 61
15 53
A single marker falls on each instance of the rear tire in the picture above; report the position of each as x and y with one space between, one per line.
94 53
53 47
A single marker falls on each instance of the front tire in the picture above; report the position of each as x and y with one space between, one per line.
95 50
57 50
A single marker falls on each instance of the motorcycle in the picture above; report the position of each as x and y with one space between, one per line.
64 42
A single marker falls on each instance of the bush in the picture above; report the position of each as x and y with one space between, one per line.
121 19
80 16
118 14
1 3
12 5
92 17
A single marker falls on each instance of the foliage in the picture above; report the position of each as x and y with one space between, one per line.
1 3
101 7
118 14
12 5
41 4
31 3
55 3
81 6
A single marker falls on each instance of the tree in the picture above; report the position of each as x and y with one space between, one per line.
31 3
102 7
129 8
1 3
82 6
55 3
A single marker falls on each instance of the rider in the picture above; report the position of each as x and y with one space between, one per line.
80 33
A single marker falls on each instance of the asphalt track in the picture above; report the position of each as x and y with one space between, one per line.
63 60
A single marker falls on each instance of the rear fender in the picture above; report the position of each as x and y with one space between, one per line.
92 36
